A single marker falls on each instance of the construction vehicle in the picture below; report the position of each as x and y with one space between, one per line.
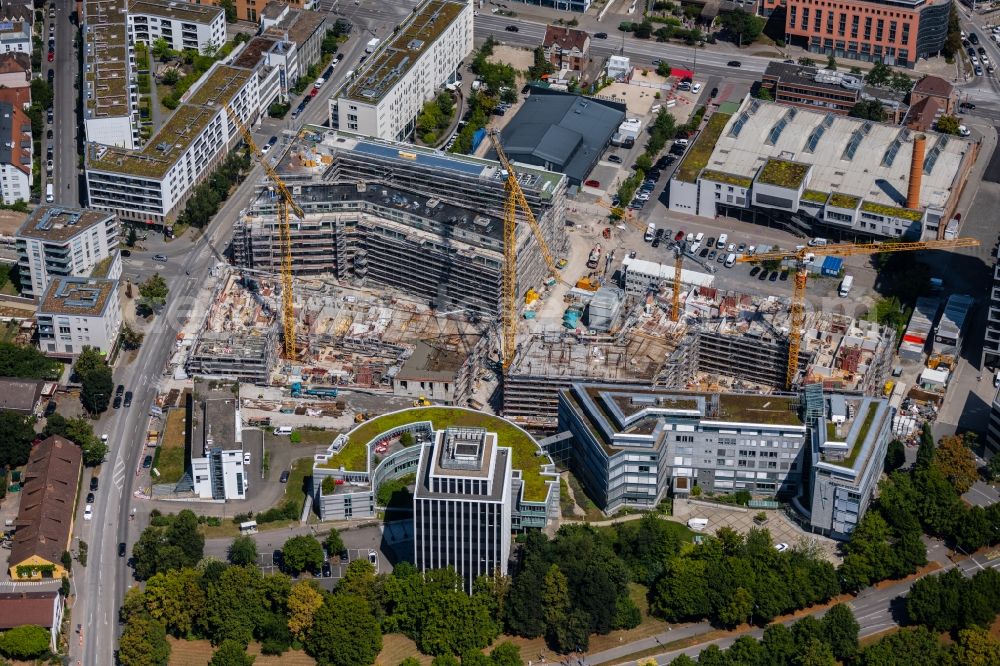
316 391
515 200
286 204
595 257
422 401
360 417
803 257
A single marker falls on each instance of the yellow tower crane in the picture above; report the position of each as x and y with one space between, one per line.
840 250
285 204
675 305
515 199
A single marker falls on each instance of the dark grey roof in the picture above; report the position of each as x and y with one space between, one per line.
565 130
9 140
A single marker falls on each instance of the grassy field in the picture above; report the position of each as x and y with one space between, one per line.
170 458
312 437
198 653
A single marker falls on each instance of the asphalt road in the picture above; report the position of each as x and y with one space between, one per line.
66 175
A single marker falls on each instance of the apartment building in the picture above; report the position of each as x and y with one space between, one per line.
389 90
58 241
184 25
110 95
847 451
149 185
256 10
567 48
993 429
280 58
991 343
424 222
79 312
896 33
799 169
15 154
15 70
631 445
462 504
218 468
305 29
15 35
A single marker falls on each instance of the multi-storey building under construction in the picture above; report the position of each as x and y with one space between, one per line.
424 222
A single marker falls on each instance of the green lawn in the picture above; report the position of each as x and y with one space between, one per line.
353 455
170 459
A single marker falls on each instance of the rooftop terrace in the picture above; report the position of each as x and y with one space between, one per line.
353 456
392 62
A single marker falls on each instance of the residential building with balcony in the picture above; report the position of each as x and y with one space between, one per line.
305 29
894 32
15 154
79 312
110 95
57 241
389 90
184 25
991 344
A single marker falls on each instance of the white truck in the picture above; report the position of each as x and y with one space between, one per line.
845 285
372 44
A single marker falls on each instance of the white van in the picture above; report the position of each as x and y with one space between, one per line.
283 431
722 241
650 232
817 242
49 197
731 260
697 524
699 237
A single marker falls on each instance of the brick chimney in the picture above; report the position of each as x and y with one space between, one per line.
916 172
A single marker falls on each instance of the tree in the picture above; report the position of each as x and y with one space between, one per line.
925 452
841 630
901 83
230 8
831 63
183 533
344 632
976 647
663 68
41 93
878 75
80 432
143 642
303 602
96 380
913 647
779 644
25 642
173 547
947 125
956 462
333 542
506 654
742 26
869 109
153 292
556 605
540 66
992 469
231 653
242 551
27 363
814 653
132 236
16 434
302 553
131 338
895 456
177 599
738 609
162 50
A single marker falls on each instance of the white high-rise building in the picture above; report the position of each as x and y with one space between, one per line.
462 504
185 26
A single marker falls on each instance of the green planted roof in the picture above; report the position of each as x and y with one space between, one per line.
783 173
892 211
523 447
815 196
843 201
699 154
727 178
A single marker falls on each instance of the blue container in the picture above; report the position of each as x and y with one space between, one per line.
832 266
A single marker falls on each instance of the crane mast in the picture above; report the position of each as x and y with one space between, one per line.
286 206
838 250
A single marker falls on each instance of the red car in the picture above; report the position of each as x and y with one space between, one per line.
52 56
592 183
314 92
680 235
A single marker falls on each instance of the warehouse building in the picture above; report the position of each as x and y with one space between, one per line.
631 446
423 55
799 169
810 87
399 215
562 132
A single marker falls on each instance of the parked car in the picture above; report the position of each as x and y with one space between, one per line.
781 547
94 482
774 276
614 159
160 257
600 35
327 569
128 399
680 235
120 391
762 276
90 498
117 402
754 271
284 476
714 93
783 276
592 183
122 548
88 512
967 106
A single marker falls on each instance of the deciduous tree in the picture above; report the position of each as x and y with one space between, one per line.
344 633
956 463
143 642
243 550
302 553
25 642
303 602
16 434
841 631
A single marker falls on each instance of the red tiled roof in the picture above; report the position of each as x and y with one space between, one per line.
933 85
922 114
20 608
566 38
16 62
19 97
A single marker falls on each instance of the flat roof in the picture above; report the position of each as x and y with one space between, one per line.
392 62
524 448
163 150
850 156
182 11
60 223
106 71
432 363
79 296
250 54
532 178
299 24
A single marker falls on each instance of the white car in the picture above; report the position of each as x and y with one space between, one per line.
722 241
695 87
974 59
781 547
964 131
752 250
681 142
246 458
88 512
